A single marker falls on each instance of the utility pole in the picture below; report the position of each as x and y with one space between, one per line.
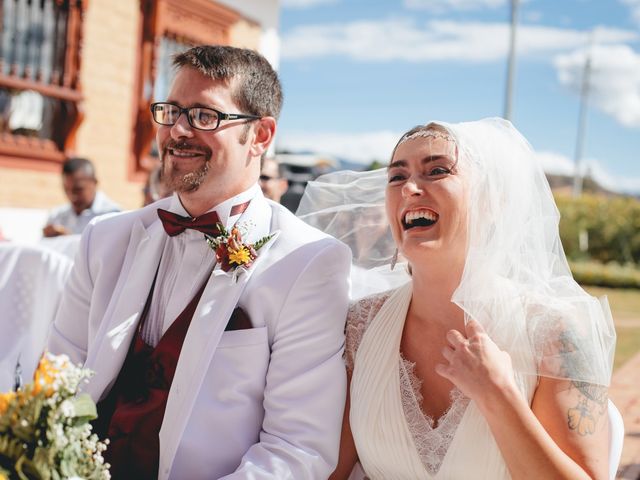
582 119
511 64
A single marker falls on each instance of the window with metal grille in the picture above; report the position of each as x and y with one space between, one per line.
40 91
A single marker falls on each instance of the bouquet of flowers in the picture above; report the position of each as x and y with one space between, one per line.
44 427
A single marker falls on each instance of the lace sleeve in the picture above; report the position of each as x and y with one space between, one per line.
358 319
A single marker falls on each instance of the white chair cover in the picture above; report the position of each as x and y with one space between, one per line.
31 281
616 439
66 244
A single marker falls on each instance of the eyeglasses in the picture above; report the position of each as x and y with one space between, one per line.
200 118
266 178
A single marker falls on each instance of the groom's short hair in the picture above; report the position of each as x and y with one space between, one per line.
255 85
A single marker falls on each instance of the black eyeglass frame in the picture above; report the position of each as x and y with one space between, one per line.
266 178
186 110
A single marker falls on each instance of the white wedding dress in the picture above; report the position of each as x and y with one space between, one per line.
394 438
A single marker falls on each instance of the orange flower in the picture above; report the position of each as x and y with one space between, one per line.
5 401
44 377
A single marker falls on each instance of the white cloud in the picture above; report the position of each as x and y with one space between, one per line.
404 39
532 16
439 6
559 164
634 7
556 163
356 147
365 147
305 3
614 85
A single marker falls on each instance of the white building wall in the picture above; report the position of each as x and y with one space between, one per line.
267 14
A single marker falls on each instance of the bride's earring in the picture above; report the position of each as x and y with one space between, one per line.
394 259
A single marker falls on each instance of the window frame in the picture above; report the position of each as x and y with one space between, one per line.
188 21
19 151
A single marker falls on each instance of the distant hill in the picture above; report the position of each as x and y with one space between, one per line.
564 184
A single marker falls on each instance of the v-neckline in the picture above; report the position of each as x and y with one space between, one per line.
432 437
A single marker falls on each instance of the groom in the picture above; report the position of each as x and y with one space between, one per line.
205 368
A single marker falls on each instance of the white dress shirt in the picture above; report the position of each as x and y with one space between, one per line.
187 260
74 223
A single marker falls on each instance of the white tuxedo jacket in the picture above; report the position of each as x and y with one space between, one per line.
260 403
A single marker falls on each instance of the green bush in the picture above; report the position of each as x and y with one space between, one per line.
605 275
611 225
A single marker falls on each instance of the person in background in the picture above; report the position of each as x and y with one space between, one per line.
272 182
155 188
85 200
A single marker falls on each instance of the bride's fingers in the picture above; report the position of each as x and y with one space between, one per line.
447 353
455 338
443 371
473 327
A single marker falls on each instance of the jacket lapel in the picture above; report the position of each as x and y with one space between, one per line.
220 297
121 317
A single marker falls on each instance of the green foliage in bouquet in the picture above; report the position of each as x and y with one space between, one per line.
44 428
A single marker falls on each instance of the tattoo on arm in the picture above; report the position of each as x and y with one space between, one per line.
591 398
592 404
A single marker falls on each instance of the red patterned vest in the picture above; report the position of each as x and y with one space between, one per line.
131 415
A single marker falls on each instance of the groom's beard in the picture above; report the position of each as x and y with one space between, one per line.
179 179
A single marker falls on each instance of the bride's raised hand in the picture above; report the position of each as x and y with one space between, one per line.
475 364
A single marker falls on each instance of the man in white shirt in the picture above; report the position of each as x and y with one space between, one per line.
218 358
85 201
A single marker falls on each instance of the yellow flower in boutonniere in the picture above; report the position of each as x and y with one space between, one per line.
240 257
231 251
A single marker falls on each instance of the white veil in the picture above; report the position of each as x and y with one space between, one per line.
350 206
516 280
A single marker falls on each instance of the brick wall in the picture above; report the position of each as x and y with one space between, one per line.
108 72
32 189
108 69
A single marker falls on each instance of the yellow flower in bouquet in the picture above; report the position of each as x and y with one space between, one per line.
44 428
45 376
5 401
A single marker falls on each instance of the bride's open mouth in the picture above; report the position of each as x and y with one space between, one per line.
422 217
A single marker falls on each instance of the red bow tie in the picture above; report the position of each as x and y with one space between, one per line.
175 224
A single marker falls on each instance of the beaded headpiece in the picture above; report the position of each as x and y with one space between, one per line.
427 133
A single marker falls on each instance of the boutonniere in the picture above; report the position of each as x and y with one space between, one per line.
231 252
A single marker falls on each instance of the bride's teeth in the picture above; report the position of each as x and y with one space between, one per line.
411 217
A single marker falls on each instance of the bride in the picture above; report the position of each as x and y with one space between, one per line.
490 361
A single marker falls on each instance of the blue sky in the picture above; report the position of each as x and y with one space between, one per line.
358 73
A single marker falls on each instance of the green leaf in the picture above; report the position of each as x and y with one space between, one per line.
260 243
85 408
